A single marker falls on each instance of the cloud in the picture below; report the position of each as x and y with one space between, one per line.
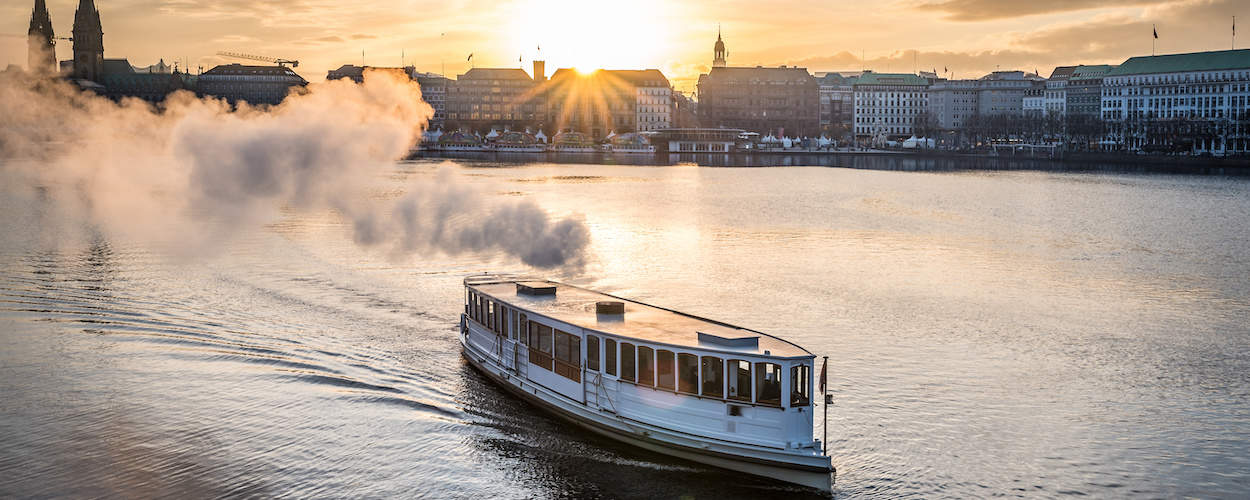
362 36
982 10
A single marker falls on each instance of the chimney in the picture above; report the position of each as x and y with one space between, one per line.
540 71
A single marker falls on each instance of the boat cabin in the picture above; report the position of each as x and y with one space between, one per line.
644 363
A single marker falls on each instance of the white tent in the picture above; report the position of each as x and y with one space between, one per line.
541 136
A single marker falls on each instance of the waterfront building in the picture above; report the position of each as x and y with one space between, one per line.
40 41
837 100
483 98
653 98
1084 90
771 101
120 80
433 86
1196 102
251 84
607 101
1001 93
780 101
434 91
685 111
1034 102
1055 99
953 103
888 105
88 42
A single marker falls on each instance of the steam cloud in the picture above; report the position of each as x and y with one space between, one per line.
196 172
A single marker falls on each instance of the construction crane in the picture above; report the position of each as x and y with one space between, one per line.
275 60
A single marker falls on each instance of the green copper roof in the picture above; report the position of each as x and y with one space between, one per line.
872 78
1091 70
1172 63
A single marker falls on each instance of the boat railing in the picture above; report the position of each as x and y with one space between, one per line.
596 379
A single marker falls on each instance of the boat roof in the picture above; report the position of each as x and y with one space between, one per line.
645 322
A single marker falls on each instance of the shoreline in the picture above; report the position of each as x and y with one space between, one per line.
876 160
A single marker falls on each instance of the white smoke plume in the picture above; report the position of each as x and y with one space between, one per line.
195 172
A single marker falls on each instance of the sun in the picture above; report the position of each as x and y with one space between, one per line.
591 34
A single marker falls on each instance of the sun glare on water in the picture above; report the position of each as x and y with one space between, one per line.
588 35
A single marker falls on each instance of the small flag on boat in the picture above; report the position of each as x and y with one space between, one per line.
470 57
824 379
1156 31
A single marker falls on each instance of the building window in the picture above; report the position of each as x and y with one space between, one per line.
628 367
646 365
688 373
768 384
740 380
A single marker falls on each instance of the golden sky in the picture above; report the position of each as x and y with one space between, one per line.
970 37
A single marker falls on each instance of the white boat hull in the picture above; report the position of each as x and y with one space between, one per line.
808 470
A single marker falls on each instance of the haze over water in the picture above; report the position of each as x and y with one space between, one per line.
1004 333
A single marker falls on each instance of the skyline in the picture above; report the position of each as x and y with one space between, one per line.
968 37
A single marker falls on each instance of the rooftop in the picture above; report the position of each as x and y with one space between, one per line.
576 306
778 74
1090 71
874 78
240 69
1174 63
495 74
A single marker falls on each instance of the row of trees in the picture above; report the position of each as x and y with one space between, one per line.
1082 132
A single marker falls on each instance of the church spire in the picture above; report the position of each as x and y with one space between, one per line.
88 42
40 51
718 51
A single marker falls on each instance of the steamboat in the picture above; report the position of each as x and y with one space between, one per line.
651 377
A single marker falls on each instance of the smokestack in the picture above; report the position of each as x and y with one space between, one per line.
540 71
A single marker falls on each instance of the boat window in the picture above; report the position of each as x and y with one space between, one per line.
609 356
688 373
468 295
768 384
713 377
540 345
646 365
592 352
514 316
664 372
562 346
740 380
628 367
800 385
568 356
523 331
544 338
490 316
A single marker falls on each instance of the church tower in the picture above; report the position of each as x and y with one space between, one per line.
40 51
88 42
718 51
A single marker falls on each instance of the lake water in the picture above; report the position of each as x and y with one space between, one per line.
1011 333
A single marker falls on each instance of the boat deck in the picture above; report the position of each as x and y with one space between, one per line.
576 306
